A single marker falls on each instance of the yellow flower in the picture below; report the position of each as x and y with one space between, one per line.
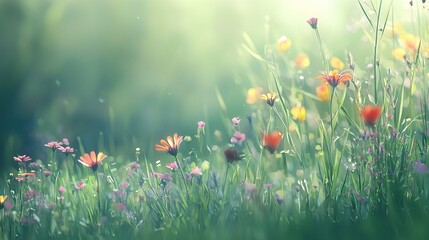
205 165
253 95
323 93
302 61
2 201
399 53
410 41
284 44
269 98
298 113
337 63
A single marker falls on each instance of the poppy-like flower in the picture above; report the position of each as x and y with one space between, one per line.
302 61
171 145
2 201
253 95
323 93
370 114
334 78
272 140
336 63
298 113
232 154
269 98
284 43
91 160
313 22
22 158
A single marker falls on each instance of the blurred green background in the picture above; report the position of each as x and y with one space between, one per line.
137 71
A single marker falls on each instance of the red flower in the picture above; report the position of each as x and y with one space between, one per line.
171 145
91 160
272 140
370 114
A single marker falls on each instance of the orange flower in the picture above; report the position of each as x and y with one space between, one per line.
91 160
272 140
336 63
171 145
3 199
269 98
334 78
302 61
370 114
323 93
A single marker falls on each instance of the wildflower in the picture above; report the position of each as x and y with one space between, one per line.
61 189
47 173
336 63
29 174
121 207
235 121
323 93
421 167
80 185
253 95
53 145
298 113
22 158
172 166
91 160
196 171
313 22
284 43
205 165
67 150
302 61
232 154
272 140
2 200
8 205
370 114
171 145
334 78
201 124
125 184
269 98
399 54
163 176
238 138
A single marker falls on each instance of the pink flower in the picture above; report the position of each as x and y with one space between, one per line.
79 185
201 124
47 173
172 166
66 150
121 207
53 145
66 141
8 205
235 121
61 189
124 184
163 176
20 179
238 137
421 167
313 22
196 171
22 158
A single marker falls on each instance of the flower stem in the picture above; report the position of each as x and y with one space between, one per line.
226 176
183 175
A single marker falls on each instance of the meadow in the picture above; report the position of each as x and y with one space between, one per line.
308 144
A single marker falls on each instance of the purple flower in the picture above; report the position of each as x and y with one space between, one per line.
163 176
235 121
22 158
421 167
238 137
313 22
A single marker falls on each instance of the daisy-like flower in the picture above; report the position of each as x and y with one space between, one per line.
53 145
269 98
323 93
313 22
334 78
298 113
91 160
22 158
370 114
272 140
171 145
2 201
67 150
